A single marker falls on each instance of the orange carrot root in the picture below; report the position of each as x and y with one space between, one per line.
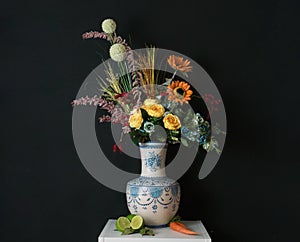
180 227
181 224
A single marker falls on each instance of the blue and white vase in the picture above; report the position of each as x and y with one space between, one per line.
153 195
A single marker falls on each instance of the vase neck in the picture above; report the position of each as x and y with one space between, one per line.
153 157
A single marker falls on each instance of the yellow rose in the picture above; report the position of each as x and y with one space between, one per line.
150 101
155 110
136 120
171 122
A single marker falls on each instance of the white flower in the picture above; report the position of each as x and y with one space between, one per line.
109 26
149 127
117 52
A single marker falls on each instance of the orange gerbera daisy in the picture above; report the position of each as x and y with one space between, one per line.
179 91
179 64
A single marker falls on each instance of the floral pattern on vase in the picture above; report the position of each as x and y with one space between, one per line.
153 162
153 195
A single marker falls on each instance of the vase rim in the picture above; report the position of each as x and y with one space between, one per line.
147 144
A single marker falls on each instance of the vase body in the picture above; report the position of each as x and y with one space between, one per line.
153 195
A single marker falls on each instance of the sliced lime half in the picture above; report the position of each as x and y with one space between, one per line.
137 222
122 223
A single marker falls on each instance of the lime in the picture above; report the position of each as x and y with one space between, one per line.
137 222
130 216
122 224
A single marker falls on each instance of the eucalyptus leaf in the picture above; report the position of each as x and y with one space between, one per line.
184 142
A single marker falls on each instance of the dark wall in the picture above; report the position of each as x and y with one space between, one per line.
249 48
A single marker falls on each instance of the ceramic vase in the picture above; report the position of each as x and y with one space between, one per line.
153 195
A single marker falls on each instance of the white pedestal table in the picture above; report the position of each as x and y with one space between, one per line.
109 234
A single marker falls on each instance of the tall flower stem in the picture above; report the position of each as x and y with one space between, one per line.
173 75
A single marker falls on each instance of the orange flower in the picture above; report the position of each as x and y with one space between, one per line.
179 64
179 91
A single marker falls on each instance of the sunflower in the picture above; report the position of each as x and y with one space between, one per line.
179 64
179 91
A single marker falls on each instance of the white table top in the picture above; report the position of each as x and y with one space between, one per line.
109 234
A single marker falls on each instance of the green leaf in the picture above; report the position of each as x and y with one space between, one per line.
128 231
144 114
146 231
175 132
184 142
154 120
134 136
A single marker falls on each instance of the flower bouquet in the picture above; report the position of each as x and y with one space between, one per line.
153 107
139 100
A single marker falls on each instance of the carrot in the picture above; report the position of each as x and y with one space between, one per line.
180 227
181 224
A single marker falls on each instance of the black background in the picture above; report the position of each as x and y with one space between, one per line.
249 48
